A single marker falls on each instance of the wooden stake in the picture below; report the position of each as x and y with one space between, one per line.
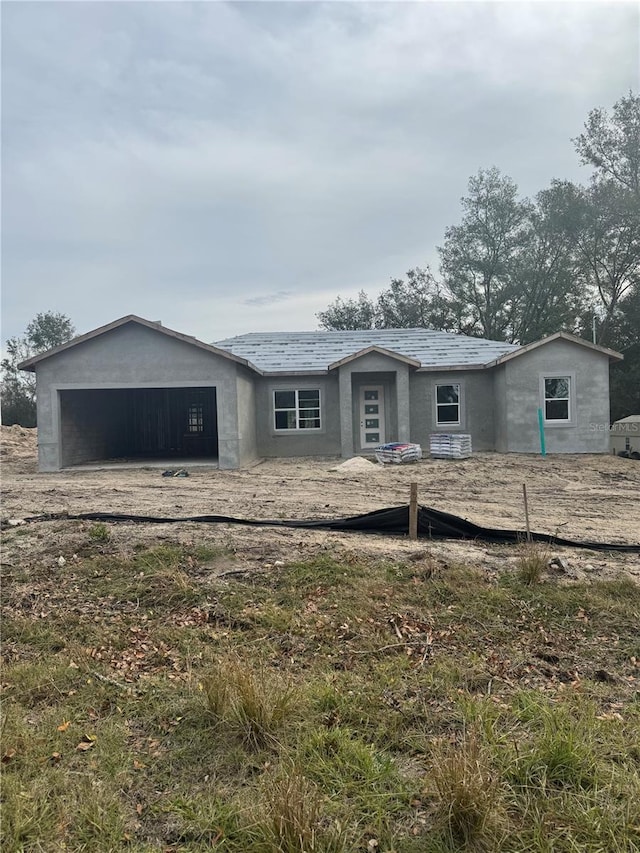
413 512
526 511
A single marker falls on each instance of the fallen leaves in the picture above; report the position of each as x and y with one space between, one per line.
87 743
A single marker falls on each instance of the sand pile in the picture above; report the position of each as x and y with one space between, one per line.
357 465
18 443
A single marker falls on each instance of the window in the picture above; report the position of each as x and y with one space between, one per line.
297 409
557 393
448 404
195 418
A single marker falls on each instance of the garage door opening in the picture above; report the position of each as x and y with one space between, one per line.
131 424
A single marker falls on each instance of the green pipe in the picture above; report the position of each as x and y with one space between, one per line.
543 448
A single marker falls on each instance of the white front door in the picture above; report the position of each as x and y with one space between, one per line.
371 416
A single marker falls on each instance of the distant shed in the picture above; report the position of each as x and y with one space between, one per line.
625 436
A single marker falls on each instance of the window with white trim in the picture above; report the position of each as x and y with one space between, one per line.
557 398
297 409
448 405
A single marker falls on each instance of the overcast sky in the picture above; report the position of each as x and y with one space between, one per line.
234 167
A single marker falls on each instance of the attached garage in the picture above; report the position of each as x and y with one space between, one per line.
138 423
137 391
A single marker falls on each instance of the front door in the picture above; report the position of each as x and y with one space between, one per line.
371 416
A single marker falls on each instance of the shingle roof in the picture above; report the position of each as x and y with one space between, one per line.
284 352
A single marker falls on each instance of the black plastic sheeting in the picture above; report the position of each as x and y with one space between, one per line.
432 524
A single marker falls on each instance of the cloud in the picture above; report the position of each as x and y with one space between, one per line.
183 159
269 298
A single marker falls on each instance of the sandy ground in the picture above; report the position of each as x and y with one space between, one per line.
577 497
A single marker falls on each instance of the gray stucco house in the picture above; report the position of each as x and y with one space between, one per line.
136 389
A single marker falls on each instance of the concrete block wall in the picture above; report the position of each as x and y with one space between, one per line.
90 424
373 369
247 432
323 442
476 403
133 356
589 371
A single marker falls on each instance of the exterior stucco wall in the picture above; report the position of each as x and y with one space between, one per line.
588 431
498 407
374 369
501 440
247 435
134 356
307 442
390 407
476 405
91 425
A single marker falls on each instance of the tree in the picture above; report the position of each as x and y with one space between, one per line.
546 293
608 236
480 256
348 314
45 331
612 143
625 375
418 302
607 242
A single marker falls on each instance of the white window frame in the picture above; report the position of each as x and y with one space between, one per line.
569 421
298 411
447 424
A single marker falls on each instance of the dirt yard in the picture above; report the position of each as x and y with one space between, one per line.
578 497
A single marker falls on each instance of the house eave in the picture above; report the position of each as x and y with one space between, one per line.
396 356
557 336
29 364
442 368
276 373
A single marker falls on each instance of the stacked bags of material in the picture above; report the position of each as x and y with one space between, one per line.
398 452
450 446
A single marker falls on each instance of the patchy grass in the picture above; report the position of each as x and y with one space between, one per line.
532 562
251 703
99 532
332 705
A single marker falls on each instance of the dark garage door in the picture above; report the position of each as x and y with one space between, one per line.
138 423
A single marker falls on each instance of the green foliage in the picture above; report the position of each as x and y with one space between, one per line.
252 703
611 143
532 562
46 330
625 375
99 532
464 785
349 314
418 302
295 819
480 257
518 270
145 719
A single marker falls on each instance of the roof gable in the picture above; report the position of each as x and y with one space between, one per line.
412 362
30 363
564 336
